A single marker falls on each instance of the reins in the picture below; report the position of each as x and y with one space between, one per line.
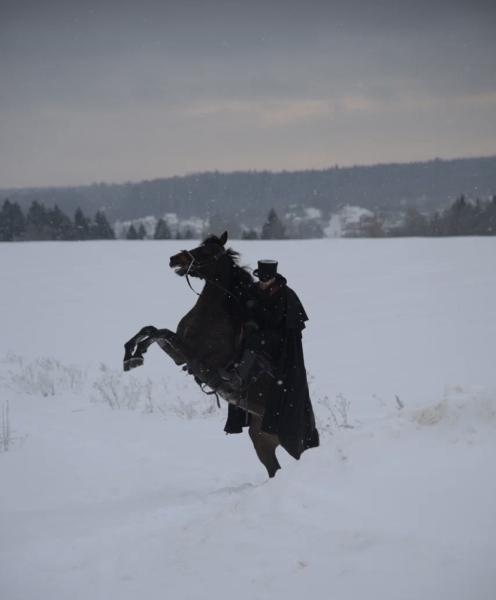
192 260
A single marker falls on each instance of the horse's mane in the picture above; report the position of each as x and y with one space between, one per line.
242 273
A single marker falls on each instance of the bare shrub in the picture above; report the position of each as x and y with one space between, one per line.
332 416
342 407
44 376
119 392
48 377
6 438
188 408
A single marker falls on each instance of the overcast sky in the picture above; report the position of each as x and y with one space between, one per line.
127 91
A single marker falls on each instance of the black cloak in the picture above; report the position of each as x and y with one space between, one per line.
289 412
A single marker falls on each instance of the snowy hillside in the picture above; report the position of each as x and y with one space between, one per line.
119 485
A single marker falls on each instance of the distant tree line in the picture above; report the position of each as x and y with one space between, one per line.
42 223
461 218
162 231
272 229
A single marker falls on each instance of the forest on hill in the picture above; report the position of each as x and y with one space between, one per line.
246 196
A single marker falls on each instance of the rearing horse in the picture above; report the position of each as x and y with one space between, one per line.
209 336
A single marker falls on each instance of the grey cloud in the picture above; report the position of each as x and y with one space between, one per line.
233 74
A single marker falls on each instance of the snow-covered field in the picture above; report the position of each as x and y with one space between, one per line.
119 485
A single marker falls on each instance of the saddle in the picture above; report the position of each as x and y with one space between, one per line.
233 380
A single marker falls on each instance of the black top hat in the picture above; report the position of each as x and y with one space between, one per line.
267 269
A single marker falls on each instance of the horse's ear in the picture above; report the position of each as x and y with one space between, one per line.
223 238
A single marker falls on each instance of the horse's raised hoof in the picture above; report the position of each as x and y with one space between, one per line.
132 363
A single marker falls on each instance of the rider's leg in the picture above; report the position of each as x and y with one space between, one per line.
252 363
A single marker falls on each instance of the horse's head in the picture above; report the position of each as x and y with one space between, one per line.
202 261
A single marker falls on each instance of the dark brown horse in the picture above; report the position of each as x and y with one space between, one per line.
210 335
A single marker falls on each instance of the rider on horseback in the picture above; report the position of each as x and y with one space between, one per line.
266 319
275 320
266 303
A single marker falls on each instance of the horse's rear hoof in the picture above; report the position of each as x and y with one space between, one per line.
134 362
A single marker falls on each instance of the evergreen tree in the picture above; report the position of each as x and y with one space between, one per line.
81 225
12 222
18 221
371 226
490 217
273 229
101 229
132 234
478 221
61 227
141 232
162 231
457 217
37 222
436 225
5 226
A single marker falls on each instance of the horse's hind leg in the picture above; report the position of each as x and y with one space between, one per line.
132 360
139 344
265 445
171 344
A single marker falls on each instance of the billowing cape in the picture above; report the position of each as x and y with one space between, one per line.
289 412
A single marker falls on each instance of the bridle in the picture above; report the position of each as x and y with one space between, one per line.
192 261
199 265
211 260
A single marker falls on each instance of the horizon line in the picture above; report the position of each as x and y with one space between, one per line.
237 171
